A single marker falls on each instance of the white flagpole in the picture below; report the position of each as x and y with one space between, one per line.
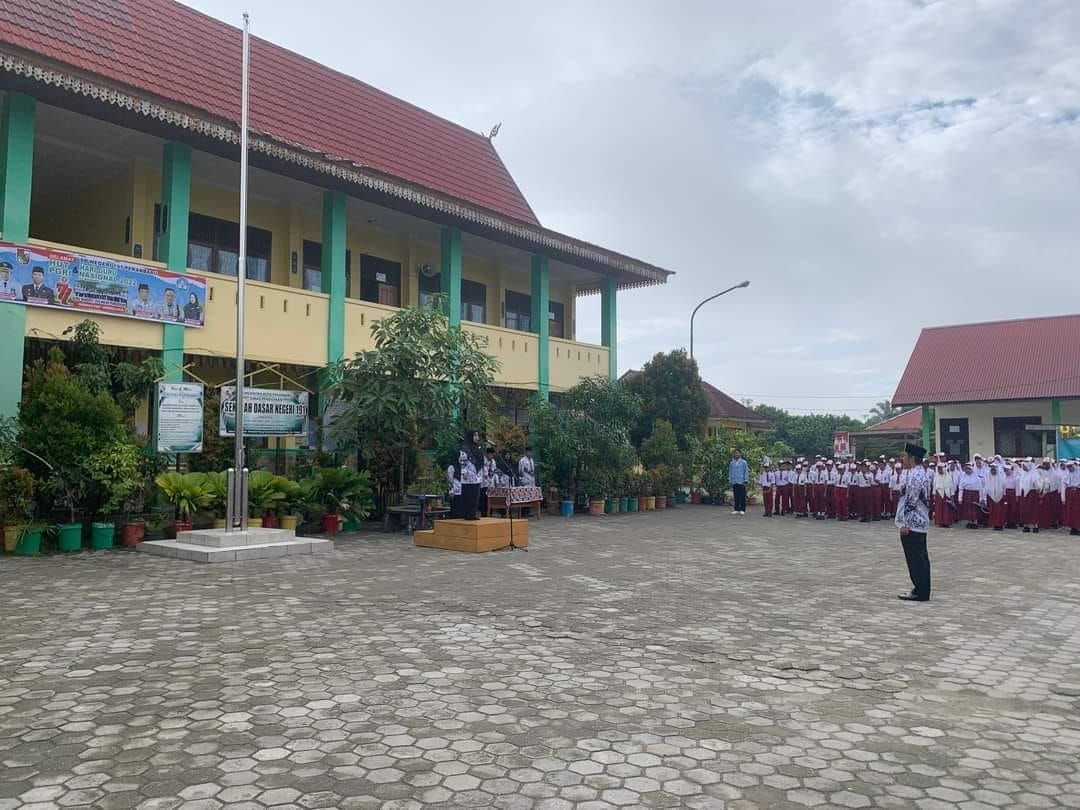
240 510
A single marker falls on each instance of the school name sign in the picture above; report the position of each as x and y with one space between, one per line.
267 412
97 285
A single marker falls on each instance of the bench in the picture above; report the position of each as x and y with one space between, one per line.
410 516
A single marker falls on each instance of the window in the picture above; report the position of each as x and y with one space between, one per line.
473 301
214 246
380 281
473 296
556 325
313 268
518 311
430 286
1012 440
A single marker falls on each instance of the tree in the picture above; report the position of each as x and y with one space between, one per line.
669 387
808 435
129 383
881 411
660 446
585 444
424 381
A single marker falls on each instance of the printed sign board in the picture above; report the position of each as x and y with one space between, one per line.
95 285
179 418
840 446
267 412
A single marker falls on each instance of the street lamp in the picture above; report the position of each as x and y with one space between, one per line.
738 286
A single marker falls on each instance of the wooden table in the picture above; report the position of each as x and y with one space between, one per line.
507 499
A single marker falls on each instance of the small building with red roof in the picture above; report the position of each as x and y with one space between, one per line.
997 387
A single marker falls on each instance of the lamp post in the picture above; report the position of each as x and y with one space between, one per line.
738 286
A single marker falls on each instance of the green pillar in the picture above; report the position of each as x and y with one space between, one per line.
16 179
541 290
608 318
927 427
450 273
173 243
334 238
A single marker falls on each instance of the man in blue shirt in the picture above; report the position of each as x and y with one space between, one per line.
739 476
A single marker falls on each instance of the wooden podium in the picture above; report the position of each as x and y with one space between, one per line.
485 534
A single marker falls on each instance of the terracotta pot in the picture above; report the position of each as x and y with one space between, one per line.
329 524
641 503
270 522
134 533
183 526
596 508
695 497
553 506
661 502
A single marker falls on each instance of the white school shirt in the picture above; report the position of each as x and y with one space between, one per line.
834 476
526 472
972 483
845 479
765 479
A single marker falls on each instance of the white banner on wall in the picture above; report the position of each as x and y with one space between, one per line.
179 418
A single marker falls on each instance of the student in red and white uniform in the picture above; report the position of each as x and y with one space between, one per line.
1012 481
970 493
896 483
1072 497
832 478
767 480
843 485
786 488
820 502
994 487
944 493
1030 492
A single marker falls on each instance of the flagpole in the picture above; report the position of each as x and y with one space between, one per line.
240 507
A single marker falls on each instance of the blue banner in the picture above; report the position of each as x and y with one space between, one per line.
42 277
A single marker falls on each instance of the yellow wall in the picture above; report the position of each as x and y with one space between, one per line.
285 322
94 218
569 362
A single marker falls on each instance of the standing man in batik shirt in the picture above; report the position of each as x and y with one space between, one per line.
913 521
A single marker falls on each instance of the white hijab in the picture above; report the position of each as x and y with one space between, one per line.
995 484
1030 480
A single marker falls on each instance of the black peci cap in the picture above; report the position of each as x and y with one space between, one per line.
915 451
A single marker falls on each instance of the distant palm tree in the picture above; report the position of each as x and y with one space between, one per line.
882 411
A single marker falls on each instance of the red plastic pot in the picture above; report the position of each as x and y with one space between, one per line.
330 524
134 534
695 497
270 522
184 526
641 503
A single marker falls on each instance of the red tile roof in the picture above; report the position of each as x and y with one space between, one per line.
906 422
176 53
721 406
1035 358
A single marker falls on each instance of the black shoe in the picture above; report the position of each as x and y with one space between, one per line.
1035 530
1027 530
864 520
1075 533
912 597
999 529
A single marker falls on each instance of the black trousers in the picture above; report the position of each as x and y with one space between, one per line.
918 562
739 491
482 503
470 498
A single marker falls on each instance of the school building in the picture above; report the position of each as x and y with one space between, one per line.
989 388
120 141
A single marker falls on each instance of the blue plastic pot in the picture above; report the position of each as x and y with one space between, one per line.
567 508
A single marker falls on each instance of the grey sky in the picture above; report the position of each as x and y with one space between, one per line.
873 166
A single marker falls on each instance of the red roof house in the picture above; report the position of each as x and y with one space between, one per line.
725 411
1032 358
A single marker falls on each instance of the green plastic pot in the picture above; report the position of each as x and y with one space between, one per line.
29 544
624 504
611 506
102 535
680 496
69 536
631 504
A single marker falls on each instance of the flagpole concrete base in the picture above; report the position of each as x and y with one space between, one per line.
217 545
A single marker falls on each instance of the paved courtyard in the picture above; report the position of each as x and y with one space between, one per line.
683 659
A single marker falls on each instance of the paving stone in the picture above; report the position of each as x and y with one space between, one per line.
684 658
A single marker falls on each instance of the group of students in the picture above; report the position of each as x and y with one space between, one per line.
1007 494
475 472
993 492
832 488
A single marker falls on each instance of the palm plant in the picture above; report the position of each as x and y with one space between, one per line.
188 492
265 491
883 410
342 491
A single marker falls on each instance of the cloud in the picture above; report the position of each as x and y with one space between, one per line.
872 166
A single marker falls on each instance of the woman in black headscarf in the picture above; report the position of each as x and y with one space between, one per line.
470 468
505 467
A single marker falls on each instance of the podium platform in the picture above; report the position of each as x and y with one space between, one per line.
474 536
217 545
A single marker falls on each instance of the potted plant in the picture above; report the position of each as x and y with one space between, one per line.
188 493
266 492
29 541
114 473
649 481
16 503
217 488
296 501
67 487
553 500
342 493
